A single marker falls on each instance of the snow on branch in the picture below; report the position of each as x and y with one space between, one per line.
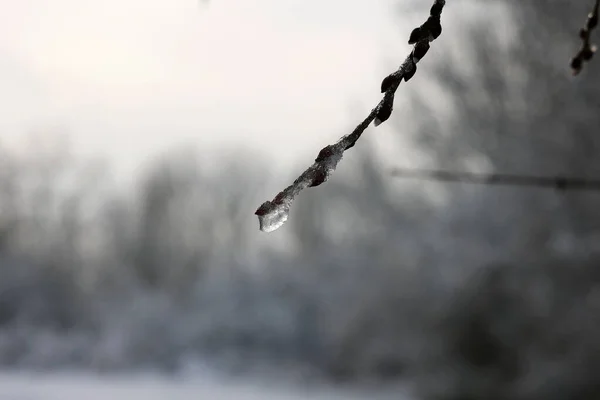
587 50
273 214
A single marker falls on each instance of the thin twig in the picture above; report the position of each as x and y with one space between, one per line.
272 214
557 182
587 50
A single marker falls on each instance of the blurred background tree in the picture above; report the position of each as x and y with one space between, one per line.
457 291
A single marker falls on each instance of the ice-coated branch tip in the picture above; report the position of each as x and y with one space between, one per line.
273 214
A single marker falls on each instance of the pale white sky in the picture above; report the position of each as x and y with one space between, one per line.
127 77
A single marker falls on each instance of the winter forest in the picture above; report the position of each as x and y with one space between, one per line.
377 284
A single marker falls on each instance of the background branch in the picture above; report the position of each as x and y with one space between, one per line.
557 182
587 50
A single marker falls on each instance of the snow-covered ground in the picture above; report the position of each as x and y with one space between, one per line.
28 386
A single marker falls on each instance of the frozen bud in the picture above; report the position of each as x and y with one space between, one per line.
319 177
420 50
385 110
280 198
416 35
436 8
324 153
587 53
264 208
576 64
430 30
410 71
592 21
390 80
435 27
273 217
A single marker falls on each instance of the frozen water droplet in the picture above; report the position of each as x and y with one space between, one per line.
273 217
273 214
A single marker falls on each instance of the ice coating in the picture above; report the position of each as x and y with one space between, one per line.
273 214
274 218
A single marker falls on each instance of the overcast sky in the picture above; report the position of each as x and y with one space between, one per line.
127 77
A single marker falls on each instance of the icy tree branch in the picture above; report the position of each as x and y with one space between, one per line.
587 50
273 214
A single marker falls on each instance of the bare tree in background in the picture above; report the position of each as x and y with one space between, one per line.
518 111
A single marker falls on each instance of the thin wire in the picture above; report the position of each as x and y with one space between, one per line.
558 183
